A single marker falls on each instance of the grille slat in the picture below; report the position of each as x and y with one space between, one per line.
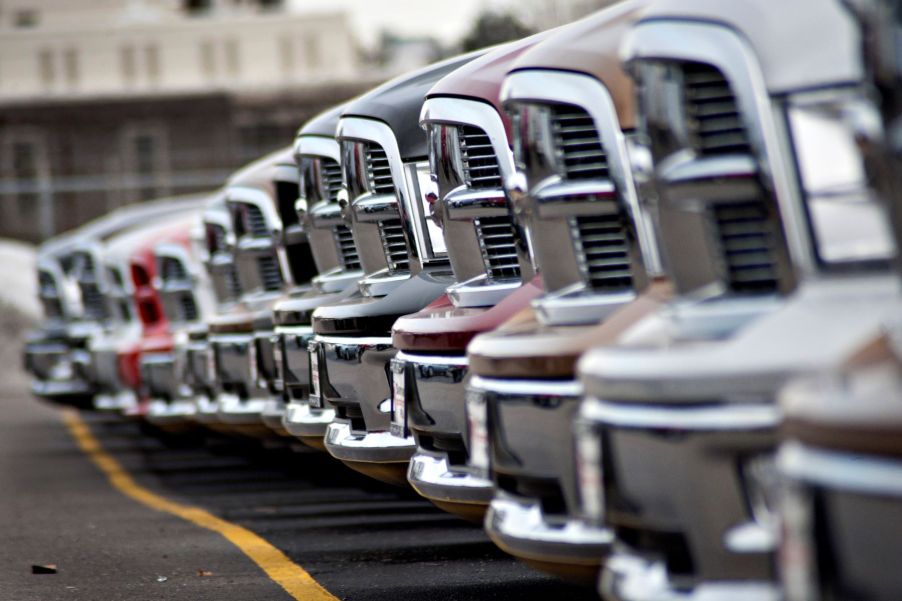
378 170
391 231
577 143
745 234
331 174
499 252
481 169
347 249
270 273
712 113
188 308
603 251
253 221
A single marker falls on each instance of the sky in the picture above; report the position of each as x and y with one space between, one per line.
446 20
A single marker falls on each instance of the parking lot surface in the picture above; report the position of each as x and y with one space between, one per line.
359 539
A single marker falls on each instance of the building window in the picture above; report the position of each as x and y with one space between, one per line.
197 7
208 60
145 164
127 65
71 67
286 54
152 62
25 18
233 58
46 68
25 163
311 52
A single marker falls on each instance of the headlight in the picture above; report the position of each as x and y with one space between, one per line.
849 221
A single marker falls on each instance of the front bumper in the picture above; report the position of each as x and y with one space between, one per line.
535 514
240 400
682 487
434 412
638 579
354 379
60 372
853 500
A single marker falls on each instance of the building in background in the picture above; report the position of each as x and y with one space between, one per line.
107 102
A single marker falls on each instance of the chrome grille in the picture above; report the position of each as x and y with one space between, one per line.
496 242
216 239
603 250
252 222
92 299
188 307
480 163
391 231
287 193
270 273
577 144
47 285
712 115
746 235
173 270
331 174
347 250
233 284
378 170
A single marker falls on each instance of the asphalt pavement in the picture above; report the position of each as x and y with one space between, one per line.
360 539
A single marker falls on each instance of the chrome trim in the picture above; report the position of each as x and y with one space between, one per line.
519 526
724 417
354 340
359 128
591 95
367 447
857 472
300 419
249 243
452 360
577 305
462 203
285 173
528 388
725 49
629 578
433 477
381 282
316 146
480 291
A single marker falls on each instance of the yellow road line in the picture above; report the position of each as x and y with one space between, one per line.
287 574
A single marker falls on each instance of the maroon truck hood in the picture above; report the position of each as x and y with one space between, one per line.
442 327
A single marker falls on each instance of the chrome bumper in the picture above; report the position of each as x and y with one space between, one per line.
164 413
64 372
860 513
354 380
531 457
520 527
118 402
305 421
365 447
630 578
688 471
434 412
